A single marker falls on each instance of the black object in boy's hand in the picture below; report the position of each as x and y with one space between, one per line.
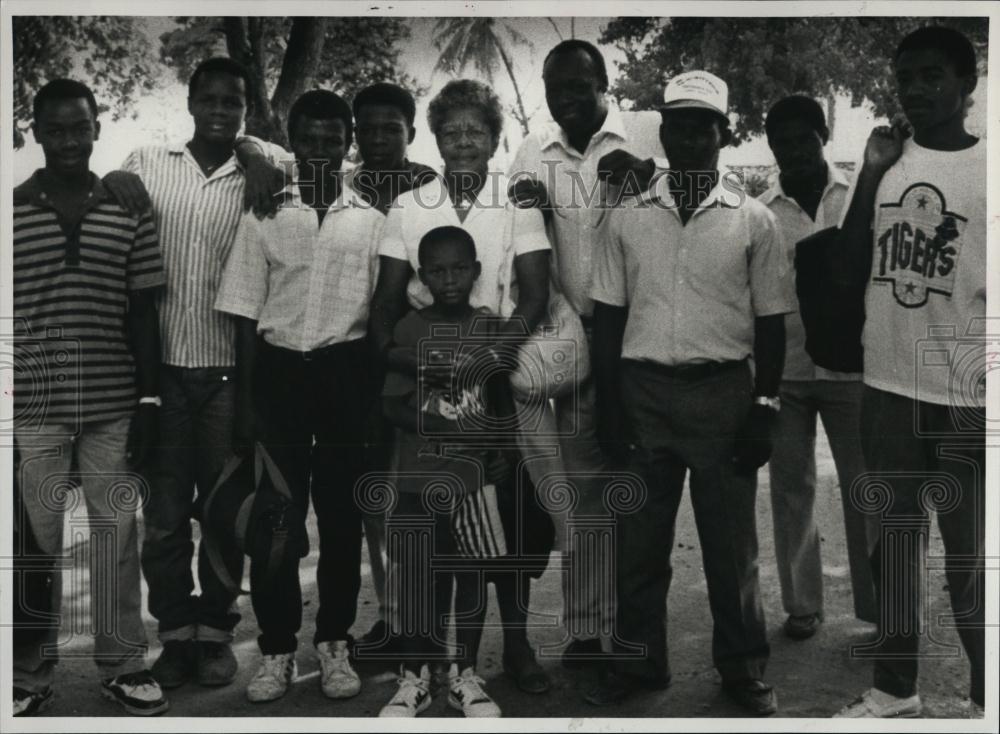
753 440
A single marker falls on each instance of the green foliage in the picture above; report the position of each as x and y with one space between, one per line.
108 53
764 59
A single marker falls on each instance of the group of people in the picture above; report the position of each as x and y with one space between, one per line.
227 293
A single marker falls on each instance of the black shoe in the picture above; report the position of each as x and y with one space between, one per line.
752 694
177 664
526 672
802 627
29 703
614 687
216 663
581 654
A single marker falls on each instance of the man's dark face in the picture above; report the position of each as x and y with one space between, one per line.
692 138
383 133
798 150
218 105
929 90
573 90
319 145
66 130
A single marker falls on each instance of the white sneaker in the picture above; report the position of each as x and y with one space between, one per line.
412 697
876 704
467 695
338 678
138 693
272 678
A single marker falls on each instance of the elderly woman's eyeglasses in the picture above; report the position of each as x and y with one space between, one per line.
452 135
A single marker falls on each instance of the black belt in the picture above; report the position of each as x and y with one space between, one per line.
316 354
689 372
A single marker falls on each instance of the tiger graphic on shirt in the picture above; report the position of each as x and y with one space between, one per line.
918 243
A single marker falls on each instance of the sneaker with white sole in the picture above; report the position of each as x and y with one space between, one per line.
138 693
465 693
876 704
29 703
412 697
337 678
272 678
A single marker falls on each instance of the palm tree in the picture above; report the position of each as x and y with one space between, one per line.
483 43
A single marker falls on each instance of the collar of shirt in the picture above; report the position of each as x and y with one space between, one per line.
835 177
726 194
181 148
613 125
348 197
32 191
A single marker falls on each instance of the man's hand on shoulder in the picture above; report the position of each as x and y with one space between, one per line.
128 190
621 168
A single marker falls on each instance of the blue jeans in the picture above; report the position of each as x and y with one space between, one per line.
196 428
793 493
112 495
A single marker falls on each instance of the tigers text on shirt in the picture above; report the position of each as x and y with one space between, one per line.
925 334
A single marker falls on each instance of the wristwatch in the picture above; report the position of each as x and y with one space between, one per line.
774 403
151 400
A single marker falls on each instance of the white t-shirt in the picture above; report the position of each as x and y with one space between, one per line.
500 230
925 325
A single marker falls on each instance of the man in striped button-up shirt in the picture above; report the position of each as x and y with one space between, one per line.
197 194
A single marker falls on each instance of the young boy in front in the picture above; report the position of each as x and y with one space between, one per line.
432 398
915 231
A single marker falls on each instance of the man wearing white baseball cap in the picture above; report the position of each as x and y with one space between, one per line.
692 282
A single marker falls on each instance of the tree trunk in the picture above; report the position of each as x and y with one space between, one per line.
240 42
298 69
831 112
520 114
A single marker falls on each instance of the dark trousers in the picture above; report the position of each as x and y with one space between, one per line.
419 542
326 398
930 457
683 425
195 440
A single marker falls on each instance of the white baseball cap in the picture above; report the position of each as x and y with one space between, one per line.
699 89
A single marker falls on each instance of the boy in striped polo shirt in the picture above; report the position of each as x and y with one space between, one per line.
84 275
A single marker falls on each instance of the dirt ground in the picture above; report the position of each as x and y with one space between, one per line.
812 678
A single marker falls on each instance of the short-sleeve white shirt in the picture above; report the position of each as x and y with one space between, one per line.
693 290
500 230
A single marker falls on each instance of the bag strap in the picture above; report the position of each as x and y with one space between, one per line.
211 545
277 478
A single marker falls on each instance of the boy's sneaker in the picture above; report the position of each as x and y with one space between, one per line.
466 694
337 678
138 693
412 697
29 703
216 663
177 664
877 704
272 678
